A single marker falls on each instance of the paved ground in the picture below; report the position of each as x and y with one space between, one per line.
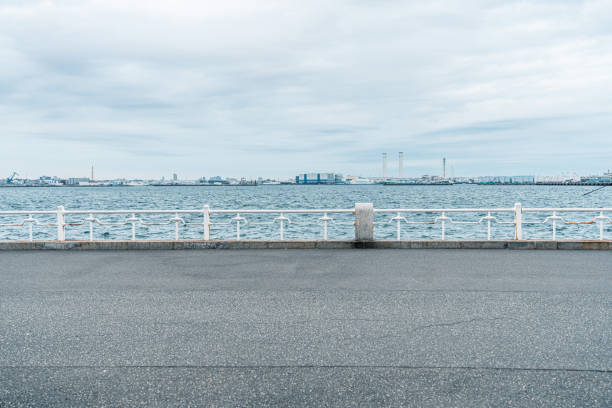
306 327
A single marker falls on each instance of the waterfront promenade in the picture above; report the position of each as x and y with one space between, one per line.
306 327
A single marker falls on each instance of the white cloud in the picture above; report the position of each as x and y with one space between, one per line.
278 87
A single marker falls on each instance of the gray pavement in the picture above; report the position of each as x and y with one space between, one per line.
306 327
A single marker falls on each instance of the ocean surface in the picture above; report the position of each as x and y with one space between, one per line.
306 197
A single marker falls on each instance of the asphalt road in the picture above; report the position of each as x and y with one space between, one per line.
306 327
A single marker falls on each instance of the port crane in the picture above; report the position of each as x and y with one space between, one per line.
10 179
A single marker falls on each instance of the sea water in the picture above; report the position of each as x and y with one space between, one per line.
302 197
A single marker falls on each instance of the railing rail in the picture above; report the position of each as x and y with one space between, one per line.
135 218
363 219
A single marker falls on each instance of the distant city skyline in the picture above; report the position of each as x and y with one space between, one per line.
445 172
391 173
273 88
387 168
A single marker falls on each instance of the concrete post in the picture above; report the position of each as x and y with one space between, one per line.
206 222
364 221
518 221
61 235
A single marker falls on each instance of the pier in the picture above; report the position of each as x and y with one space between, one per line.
288 328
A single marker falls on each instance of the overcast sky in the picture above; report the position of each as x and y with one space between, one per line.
276 88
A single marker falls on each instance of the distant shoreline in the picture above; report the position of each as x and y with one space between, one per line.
313 184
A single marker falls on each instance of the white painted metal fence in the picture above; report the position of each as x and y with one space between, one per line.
444 217
364 220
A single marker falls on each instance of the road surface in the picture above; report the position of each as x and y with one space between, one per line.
306 327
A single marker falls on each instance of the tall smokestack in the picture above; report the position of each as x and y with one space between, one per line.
384 163
444 167
401 165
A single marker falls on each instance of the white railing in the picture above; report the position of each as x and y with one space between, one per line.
554 219
135 218
362 217
443 219
492 216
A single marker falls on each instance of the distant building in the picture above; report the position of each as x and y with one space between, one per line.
75 181
319 178
522 179
174 177
49 181
597 179
218 180
506 179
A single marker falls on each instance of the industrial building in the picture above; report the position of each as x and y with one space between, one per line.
597 179
319 178
506 180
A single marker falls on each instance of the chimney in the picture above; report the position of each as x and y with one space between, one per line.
444 167
384 164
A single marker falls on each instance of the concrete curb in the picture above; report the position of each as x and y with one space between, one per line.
307 244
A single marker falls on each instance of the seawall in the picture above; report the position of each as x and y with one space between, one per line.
307 244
